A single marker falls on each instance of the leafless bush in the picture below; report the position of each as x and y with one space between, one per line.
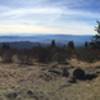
24 57
43 54
7 56
6 53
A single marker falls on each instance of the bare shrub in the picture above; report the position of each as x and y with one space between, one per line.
24 59
7 57
7 53
44 55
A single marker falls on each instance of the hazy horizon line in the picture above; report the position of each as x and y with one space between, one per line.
40 34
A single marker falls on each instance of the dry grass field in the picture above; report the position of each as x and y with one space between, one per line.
35 82
76 77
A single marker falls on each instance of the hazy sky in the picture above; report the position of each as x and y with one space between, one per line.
48 16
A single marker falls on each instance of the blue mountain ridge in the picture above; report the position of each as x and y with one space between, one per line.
60 39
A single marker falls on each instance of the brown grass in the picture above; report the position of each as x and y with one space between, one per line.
26 81
20 79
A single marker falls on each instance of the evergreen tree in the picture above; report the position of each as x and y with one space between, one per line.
53 43
97 36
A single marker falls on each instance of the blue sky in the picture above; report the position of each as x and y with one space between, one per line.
28 17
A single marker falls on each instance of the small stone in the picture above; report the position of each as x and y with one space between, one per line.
29 92
79 74
12 95
65 72
72 80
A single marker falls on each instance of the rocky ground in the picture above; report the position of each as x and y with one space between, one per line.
75 80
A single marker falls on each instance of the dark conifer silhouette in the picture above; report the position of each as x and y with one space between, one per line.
86 44
5 46
53 43
97 29
71 45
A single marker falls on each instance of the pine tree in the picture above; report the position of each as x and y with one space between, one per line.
97 36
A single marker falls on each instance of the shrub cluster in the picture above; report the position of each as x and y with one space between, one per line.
41 53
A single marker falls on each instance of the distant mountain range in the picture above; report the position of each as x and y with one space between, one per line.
46 39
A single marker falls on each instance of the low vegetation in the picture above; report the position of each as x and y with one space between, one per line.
46 54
